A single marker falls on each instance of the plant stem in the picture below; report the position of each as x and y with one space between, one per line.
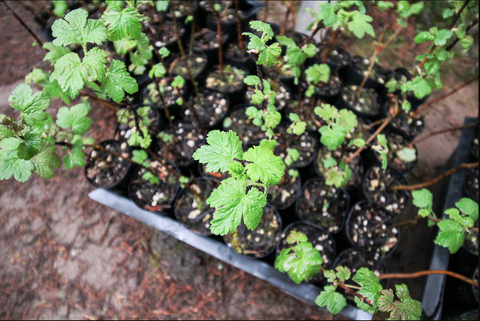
104 102
433 101
282 29
239 24
329 46
219 39
437 179
473 24
24 25
416 141
423 273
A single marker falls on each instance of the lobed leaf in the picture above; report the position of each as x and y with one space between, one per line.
75 117
334 301
118 81
46 160
264 166
450 235
76 28
122 24
370 284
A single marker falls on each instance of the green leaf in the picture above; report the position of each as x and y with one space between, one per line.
359 142
343 273
360 25
162 5
450 235
118 81
255 44
11 165
407 154
447 12
419 86
46 160
29 146
310 50
264 166
422 198
384 158
252 80
469 207
269 56
221 149
334 301
286 41
272 117
54 52
348 120
299 128
302 264
466 42
424 213
144 139
384 5
405 309
5 132
232 203
364 306
164 52
293 154
139 156
75 117
59 7
326 112
442 37
262 27
423 36
150 177
295 237
370 284
268 144
332 137
329 162
32 106
178 82
382 140
75 158
318 73
72 74
76 28
122 24
326 12
236 169
334 177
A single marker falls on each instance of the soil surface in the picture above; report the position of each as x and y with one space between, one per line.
65 256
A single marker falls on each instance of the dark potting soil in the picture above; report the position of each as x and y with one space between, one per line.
105 170
182 9
231 81
261 241
408 127
471 240
305 144
207 39
368 102
378 73
335 205
152 92
377 187
368 228
319 238
164 34
337 57
355 165
396 145
127 122
474 147
211 108
193 212
234 51
331 88
305 111
282 98
155 197
471 184
188 139
283 194
196 60
247 132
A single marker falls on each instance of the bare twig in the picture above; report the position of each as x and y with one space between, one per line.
473 24
423 273
446 130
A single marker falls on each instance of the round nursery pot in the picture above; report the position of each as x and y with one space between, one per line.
329 91
397 145
356 166
337 59
282 99
318 237
206 40
377 188
305 111
238 121
182 10
471 184
368 105
165 37
187 138
105 170
155 197
228 22
284 194
231 83
355 259
356 71
403 125
471 241
260 242
197 63
368 229
305 144
335 205
238 56
153 93
216 176
415 102
193 212
126 122
211 109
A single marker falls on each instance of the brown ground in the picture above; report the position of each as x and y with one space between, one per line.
64 256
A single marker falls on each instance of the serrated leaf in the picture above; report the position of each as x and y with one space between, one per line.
318 73
419 86
326 12
32 106
122 24
139 156
286 41
59 7
143 140
332 137
269 56
348 120
299 128
29 146
343 273
221 149
370 284
11 165
422 198
54 52
334 177
466 42
469 207
358 142
365 307
76 28
75 117
46 160
423 36
272 117
407 154
264 166
232 203
450 235
262 27
252 80
405 309
326 112
295 237
360 25
442 37
5 132
257 97
75 158
303 263
255 43
329 162
236 169
268 144
178 82
118 81
334 301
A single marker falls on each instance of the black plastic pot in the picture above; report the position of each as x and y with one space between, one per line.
338 59
198 64
309 210
285 193
396 143
166 26
318 237
403 125
471 184
205 45
212 111
152 197
414 101
235 93
364 216
306 145
356 71
238 121
186 207
369 104
156 124
330 90
243 240
98 166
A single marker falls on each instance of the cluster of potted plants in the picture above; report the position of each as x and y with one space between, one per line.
238 127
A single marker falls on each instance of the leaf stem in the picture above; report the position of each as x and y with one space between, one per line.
430 272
